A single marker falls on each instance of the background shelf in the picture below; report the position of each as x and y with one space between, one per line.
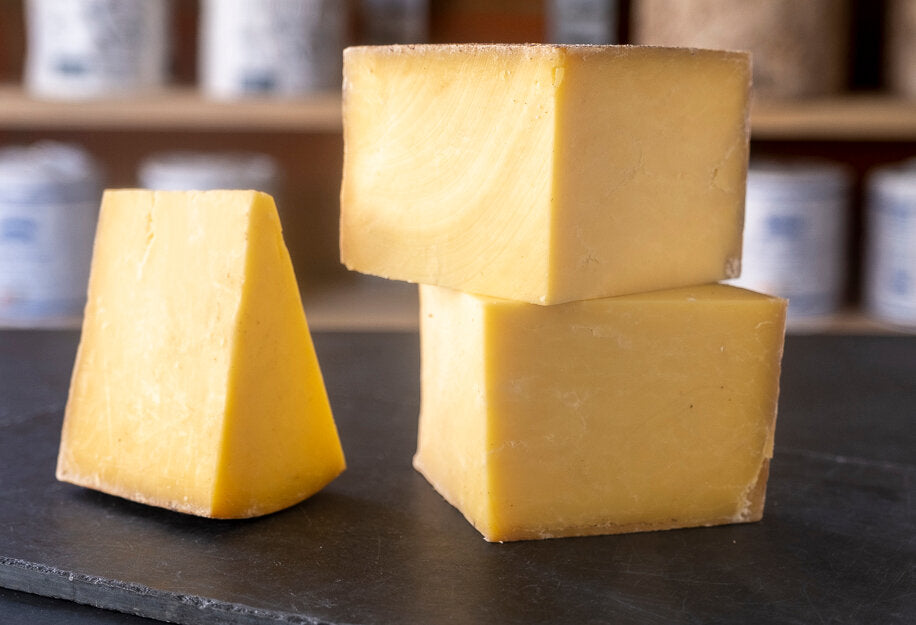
364 303
847 118
360 303
176 108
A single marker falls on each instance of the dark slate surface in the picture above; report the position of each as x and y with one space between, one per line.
837 544
22 608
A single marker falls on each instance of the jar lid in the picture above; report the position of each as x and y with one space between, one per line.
798 178
48 172
897 179
201 171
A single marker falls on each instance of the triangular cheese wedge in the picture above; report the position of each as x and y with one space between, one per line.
196 386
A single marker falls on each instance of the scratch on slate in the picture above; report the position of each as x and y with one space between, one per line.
896 467
8 419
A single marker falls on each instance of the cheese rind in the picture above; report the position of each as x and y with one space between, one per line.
544 173
640 412
196 386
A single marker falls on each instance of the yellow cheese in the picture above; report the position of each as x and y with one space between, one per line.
640 412
196 386
544 173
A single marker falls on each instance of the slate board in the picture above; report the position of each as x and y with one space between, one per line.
837 544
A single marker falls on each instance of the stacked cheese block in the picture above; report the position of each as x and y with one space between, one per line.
568 211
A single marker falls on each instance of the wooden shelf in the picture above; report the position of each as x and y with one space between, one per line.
849 321
357 303
363 303
171 109
847 118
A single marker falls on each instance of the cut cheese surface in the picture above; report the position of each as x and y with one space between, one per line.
196 386
640 412
544 173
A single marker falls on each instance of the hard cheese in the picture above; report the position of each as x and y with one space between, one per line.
640 412
544 173
196 386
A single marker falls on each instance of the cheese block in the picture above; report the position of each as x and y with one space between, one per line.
544 173
196 386
640 412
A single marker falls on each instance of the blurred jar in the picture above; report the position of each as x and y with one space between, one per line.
795 233
890 248
582 21
270 47
96 48
394 21
201 171
49 202
901 47
799 48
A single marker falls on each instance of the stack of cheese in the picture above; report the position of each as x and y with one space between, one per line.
568 211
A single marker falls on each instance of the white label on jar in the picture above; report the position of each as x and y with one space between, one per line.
45 254
890 275
271 47
80 48
795 248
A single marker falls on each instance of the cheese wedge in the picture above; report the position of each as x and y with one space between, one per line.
196 386
641 412
544 173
